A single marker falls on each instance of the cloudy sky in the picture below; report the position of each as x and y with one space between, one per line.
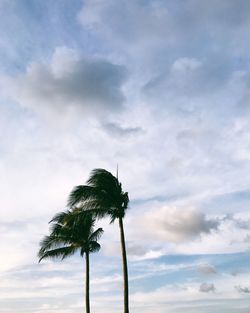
160 87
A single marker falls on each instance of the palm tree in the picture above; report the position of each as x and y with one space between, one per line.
103 196
71 232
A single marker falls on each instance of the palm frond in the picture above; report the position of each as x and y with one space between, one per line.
47 243
94 246
125 200
113 217
58 241
61 217
61 230
96 235
62 253
97 209
79 194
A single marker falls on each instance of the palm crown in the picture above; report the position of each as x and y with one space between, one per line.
102 195
70 233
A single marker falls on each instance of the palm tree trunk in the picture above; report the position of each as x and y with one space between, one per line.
125 267
87 283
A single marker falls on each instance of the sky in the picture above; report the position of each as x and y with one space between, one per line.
159 87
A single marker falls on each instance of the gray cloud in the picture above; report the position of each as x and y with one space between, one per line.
136 249
244 224
207 269
206 287
69 84
155 28
205 48
242 289
189 78
228 12
145 21
247 238
116 130
237 272
156 19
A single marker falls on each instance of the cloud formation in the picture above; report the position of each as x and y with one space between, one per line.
69 84
207 269
205 287
177 224
238 271
183 141
145 21
116 130
242 289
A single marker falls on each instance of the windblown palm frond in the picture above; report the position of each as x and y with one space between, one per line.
79 194
61 217
51 242
62 253
96 235
94 246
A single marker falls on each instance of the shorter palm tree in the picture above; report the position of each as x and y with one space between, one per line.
71 232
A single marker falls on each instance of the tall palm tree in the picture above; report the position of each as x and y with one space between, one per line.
103 196
71 232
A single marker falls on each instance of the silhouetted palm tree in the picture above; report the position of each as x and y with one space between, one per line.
103 196
70 233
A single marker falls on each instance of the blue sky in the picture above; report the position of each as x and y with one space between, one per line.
160 88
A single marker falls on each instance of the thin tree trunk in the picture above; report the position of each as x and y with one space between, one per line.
125 267
87 283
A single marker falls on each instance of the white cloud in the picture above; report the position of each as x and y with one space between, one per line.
184 230
176 224
27 233
185 65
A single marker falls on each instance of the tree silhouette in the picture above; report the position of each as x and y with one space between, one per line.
103 196
71 232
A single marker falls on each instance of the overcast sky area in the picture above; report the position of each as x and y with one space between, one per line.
160 87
